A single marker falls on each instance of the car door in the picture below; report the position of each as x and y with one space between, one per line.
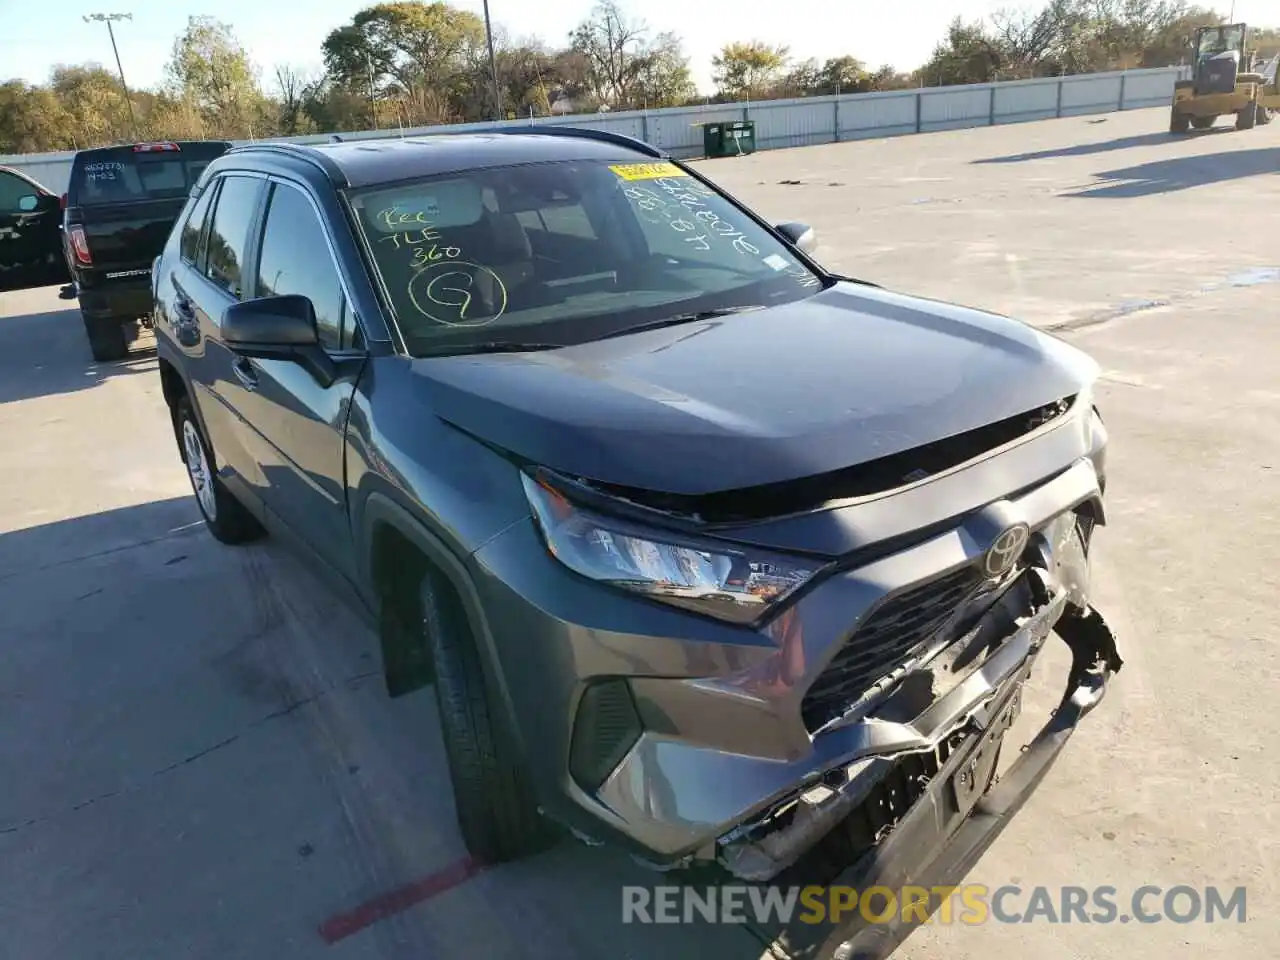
292 425
30 244
214 251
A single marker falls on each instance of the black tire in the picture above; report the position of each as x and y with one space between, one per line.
1178 122
1247 117
229 521
497 813
106 338
1202 123
1264 116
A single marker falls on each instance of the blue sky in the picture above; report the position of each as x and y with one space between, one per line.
902 33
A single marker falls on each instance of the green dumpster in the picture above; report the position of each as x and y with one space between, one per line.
729 139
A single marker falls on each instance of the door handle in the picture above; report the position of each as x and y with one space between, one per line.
185 309
245 373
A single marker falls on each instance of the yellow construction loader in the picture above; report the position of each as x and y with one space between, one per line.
1226 80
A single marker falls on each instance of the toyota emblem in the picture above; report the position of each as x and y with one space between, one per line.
1006 550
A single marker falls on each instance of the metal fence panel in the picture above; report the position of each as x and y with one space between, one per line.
950 108
794 123
1143 89
879 115
1026 100
1095 94
808 120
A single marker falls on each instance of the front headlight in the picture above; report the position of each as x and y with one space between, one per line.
726 583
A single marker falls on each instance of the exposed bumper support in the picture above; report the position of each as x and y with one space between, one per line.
930 706
935 845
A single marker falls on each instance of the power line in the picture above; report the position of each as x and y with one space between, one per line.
108 19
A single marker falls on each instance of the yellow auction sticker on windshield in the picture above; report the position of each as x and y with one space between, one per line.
646 171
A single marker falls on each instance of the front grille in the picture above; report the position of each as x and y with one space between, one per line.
883 641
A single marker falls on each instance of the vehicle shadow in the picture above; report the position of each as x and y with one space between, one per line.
45 354
1105 146
171 687
1181 173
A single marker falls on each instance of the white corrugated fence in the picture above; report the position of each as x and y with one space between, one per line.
808 120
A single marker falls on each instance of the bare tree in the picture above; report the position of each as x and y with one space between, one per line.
609 41
293 88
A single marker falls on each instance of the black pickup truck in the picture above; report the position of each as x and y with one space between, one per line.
122 202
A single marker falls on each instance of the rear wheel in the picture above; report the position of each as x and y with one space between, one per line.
1202 123
1264 115
225 516
106 338
1247 117
496 809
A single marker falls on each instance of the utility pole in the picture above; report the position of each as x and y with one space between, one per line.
108 19
493 64
373 105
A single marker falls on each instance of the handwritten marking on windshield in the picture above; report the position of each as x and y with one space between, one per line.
451 292
417 241
393 217
681 198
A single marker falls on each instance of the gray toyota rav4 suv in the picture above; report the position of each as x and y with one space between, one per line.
706 551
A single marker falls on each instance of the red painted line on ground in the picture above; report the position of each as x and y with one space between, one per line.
397 901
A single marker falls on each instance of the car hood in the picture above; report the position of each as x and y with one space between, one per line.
848 375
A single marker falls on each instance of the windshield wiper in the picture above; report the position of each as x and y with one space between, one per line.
692 317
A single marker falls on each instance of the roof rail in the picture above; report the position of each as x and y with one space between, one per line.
315 157
586 133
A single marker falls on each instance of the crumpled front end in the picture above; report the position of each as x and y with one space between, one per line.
966 689
690 738
754 767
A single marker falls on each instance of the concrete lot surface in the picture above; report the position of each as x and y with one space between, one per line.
197 759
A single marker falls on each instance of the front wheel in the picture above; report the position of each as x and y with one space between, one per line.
496 810
1247 117
1178 122
225 516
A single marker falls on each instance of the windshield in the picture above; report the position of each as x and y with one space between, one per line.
123 174
565 252
1220 40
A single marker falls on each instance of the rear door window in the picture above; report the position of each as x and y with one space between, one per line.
228 240
125 174
193 229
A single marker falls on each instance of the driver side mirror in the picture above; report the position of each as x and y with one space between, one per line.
278 328
799 235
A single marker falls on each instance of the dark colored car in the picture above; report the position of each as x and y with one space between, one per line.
709 552
122 202
30 233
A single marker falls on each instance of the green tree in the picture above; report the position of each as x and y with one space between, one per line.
211 72
421 55
32 120
92 101
747 69
968 54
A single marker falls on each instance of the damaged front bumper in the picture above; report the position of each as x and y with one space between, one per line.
959 815
932 710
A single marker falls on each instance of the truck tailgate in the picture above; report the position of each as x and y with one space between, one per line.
128 236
